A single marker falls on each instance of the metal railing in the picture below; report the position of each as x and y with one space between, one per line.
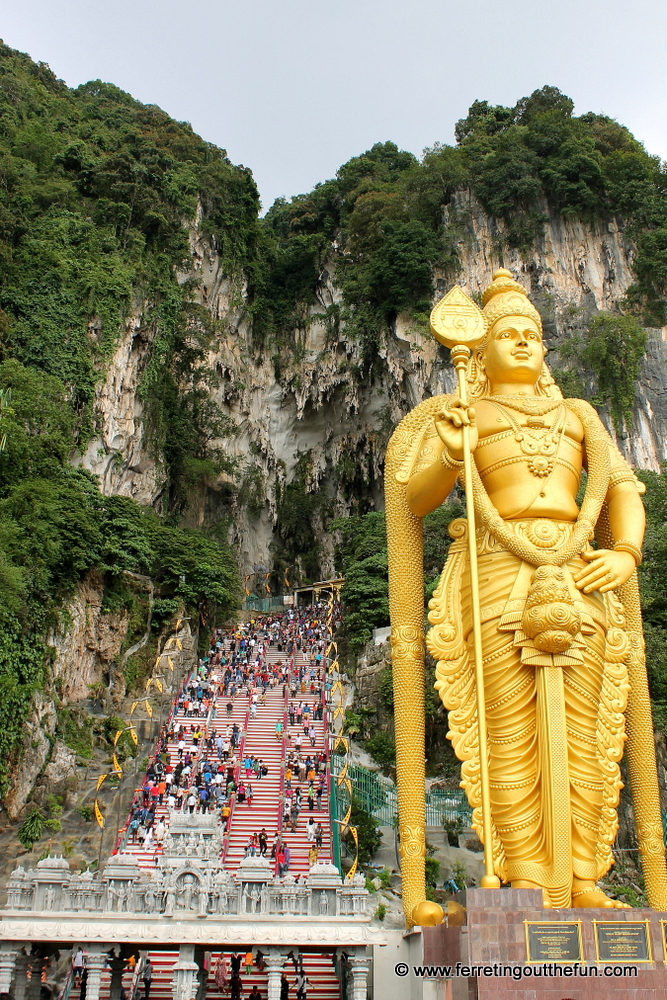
377 794
264 604
66 987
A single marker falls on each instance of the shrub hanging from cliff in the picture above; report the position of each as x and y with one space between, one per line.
56 526
611 348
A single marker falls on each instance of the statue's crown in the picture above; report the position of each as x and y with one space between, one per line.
506 297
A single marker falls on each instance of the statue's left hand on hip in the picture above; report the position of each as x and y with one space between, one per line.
606 571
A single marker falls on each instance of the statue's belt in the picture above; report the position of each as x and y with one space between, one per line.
549 617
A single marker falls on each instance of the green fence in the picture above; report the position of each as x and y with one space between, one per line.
265 604
377 794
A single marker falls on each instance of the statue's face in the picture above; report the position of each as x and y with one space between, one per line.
514 352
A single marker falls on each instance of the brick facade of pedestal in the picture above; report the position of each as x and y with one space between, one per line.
494 933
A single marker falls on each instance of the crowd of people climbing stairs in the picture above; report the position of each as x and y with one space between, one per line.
245 741
199 765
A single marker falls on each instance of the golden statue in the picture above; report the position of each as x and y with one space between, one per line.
550 625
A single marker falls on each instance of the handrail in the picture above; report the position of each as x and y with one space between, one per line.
66 987
237 772
123 836
134 985
286 699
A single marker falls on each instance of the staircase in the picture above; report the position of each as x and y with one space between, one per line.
258 739
318 967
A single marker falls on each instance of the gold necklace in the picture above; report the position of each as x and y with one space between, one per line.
538 442
597 451
530 405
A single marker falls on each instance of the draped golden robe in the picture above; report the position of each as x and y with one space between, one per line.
555 721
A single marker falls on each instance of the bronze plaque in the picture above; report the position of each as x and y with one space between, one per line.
553 941
622 941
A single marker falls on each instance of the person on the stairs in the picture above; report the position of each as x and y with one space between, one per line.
301 984
147 977
78 963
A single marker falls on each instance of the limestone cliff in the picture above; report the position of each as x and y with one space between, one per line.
319 406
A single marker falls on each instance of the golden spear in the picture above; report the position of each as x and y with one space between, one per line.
460 325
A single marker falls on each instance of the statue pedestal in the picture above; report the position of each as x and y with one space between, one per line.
507 947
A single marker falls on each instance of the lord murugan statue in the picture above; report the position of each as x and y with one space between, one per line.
551 609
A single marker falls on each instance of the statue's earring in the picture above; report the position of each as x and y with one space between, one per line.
478 379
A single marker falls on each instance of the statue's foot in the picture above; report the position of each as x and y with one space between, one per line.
590 897
521 883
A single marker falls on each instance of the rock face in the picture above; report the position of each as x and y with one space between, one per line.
85 648
41 725
88 643
372 662
319 408
118 453
573 266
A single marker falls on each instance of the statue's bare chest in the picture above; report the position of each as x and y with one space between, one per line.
537 444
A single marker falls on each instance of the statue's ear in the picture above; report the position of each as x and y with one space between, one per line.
415 442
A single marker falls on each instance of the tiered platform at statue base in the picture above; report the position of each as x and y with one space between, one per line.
508 947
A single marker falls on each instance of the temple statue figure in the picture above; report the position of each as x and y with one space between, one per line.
561 633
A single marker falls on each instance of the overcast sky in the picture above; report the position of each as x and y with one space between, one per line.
294 88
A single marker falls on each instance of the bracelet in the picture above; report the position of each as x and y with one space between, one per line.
633 550
449 462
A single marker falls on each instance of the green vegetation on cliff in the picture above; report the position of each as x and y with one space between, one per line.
394 218
55 527
97 197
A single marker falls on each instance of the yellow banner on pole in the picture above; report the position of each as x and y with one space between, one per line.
117 769
100 781
159 685
149 708
133 736
117 737
355 864
99 818
133 706
170 663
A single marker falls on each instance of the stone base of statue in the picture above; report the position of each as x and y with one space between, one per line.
503 945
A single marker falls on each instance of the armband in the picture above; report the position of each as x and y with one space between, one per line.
450 463
633 550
